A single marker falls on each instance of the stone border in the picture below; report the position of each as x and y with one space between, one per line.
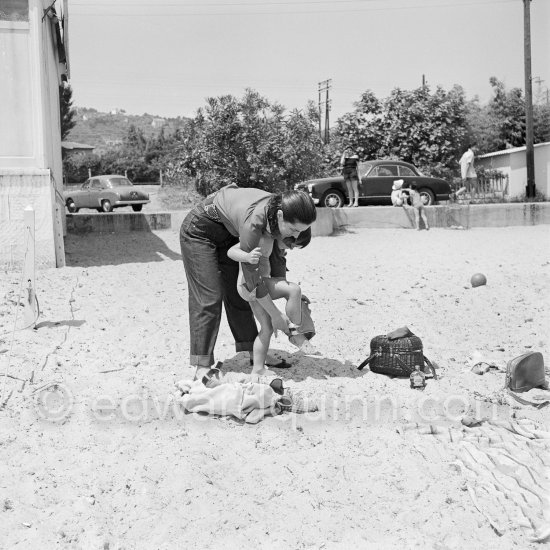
116 222
453 216
329 220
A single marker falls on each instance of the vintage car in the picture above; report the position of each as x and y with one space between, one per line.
103 193
376 178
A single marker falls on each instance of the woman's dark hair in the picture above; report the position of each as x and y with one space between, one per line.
302 240
296 206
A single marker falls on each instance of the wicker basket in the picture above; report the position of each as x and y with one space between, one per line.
397 357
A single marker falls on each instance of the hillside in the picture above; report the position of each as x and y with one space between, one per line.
106 129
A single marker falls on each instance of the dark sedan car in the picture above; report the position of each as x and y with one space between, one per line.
103 193
375 185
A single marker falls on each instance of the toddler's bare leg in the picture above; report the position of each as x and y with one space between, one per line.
261 343
281 288
417 218
425 219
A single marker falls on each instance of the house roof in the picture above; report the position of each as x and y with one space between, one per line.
70 145
509 151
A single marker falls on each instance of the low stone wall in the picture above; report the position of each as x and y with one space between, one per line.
330 220
117 222
448 216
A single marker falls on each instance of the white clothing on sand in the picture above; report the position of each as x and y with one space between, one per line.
246 401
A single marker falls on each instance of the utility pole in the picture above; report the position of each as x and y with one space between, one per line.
320 113
538 80
325 86
530 189
327 123
423 82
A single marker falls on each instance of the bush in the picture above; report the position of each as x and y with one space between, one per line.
539 197
178 197
76 166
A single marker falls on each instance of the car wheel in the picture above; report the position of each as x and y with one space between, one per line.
333 199
137 207
427 196
71 206
106 206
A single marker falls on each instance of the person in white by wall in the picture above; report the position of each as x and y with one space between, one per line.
467 170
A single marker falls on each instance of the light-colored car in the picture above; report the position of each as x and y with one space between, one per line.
376 178
103 193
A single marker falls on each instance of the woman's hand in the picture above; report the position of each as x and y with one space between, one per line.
254 256
280 322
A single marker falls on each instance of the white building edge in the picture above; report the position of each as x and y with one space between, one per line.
33 64
513 163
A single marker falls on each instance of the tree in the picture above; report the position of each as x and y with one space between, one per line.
507 114
130 158
66 110
426 129
76 166
541 122
501 123
480 126
248 141
361 129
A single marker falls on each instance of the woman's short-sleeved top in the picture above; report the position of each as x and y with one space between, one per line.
350 166
243 211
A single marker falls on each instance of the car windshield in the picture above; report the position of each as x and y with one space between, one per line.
364 168
120 182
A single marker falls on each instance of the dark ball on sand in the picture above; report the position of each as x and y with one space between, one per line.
478 279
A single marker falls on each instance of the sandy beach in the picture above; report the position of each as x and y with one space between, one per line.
96 452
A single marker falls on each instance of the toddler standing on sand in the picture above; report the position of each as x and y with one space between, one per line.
277 288
417 205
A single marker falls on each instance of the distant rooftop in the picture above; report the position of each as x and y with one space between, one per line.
70 145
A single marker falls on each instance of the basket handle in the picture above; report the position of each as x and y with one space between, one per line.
430 366
366 361
426 360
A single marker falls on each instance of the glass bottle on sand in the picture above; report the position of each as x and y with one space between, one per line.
418 378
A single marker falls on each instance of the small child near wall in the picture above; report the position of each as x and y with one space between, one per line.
416 204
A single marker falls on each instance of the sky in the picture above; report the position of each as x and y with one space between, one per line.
165 57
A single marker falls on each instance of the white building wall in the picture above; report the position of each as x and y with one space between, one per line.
514 164
30 140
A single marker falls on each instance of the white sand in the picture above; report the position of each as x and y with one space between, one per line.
115 473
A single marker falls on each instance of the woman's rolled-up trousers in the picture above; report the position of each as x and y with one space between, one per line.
211 281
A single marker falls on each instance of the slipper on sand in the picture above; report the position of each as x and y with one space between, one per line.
282 364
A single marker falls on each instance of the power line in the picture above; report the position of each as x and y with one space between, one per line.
252 4
453 4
